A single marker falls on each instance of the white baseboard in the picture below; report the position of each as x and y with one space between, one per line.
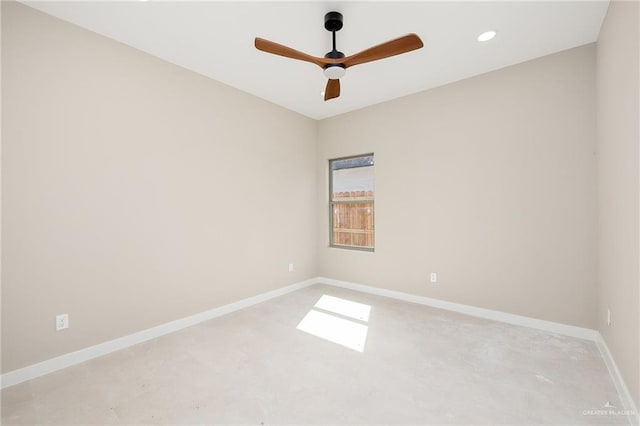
54 364
553 327
621 387
36 370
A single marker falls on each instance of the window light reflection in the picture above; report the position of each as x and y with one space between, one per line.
344 307
335 324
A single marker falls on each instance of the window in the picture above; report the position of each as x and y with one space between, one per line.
351 202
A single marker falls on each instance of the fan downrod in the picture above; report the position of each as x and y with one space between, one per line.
333 23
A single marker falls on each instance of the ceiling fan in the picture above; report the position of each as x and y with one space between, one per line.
335 63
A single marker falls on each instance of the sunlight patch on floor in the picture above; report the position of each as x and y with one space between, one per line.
335 328
350 309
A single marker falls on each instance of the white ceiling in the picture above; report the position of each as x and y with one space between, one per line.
216 39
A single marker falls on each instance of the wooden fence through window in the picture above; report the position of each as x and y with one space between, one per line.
353 219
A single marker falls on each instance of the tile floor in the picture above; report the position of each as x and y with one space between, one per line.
418 365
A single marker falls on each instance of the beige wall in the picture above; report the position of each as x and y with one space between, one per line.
0 189
618 187
136 192
489 182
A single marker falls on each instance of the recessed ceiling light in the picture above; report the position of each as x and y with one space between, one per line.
486 36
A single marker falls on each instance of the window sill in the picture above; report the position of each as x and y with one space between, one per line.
356 248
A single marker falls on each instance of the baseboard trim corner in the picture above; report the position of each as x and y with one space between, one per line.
553 327
625 396
67 360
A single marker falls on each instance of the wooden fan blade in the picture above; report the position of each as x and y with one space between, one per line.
281 50
332 90
390 48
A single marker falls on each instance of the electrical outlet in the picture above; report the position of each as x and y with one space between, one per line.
291 267
608 316
62 322
434 277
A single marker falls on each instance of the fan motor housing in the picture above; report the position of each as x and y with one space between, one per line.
334 54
